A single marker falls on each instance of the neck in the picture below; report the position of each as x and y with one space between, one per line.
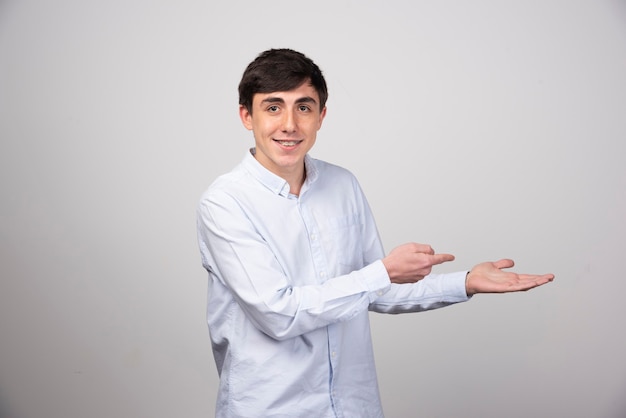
296 181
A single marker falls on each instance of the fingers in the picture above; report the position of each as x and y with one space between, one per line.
531 277
427 249
523 282
534 280
524 279
524 285
421 248
411 262
425 262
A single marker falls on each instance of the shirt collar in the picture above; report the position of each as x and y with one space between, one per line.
276 183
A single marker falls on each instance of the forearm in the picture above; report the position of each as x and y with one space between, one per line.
433 292
287 311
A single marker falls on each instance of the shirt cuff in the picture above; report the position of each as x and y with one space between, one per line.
376 279
454 285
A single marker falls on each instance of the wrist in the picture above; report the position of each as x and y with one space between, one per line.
468 290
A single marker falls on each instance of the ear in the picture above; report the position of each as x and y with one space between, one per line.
322 116
246 117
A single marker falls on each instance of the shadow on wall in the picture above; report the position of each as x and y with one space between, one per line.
5 412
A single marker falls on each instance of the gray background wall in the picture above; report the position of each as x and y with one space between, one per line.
488 129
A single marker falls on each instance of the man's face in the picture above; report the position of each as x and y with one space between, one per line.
285 126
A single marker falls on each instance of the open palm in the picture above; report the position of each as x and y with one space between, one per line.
489 277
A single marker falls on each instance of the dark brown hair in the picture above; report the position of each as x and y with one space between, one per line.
280 70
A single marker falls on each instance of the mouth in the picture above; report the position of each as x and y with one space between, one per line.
288 143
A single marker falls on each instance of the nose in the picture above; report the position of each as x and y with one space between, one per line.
288 122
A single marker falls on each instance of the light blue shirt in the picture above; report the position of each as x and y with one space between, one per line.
291 280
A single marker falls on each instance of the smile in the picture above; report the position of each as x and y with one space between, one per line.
290 143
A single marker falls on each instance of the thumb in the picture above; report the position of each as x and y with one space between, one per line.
504 263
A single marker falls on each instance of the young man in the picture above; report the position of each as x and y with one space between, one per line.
295 262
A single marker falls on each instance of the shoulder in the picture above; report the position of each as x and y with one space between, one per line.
225 187
331 179
332 172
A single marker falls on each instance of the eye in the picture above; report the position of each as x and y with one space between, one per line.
304 108
272 109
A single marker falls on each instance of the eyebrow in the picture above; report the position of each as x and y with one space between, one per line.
305 99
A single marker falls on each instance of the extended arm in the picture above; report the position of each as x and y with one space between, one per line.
439 290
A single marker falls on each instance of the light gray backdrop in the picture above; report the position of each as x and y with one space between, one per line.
488 129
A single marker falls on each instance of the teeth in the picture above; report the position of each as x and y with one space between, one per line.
288 143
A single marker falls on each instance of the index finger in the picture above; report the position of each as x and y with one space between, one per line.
441 258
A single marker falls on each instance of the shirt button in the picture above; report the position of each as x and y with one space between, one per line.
313 237
323 274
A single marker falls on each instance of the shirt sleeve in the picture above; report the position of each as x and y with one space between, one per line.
432 292
239 259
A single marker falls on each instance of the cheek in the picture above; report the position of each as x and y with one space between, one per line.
267 127
311 125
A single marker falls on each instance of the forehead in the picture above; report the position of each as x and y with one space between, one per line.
304 91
